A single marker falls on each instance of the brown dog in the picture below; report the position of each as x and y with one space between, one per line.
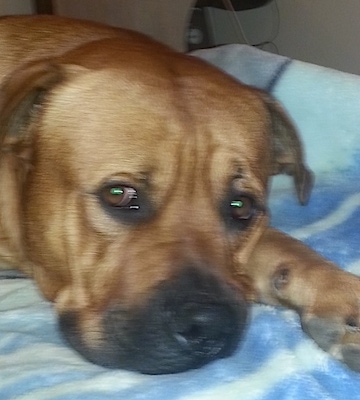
134 183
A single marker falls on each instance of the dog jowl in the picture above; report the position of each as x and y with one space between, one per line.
134 184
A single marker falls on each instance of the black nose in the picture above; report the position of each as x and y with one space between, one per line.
189 320
205 327
185 322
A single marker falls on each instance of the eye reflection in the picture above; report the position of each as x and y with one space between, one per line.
242 208
119 196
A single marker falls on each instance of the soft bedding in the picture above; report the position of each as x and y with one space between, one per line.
276 360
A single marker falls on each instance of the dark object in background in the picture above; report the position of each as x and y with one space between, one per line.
199 31
239 5
43 6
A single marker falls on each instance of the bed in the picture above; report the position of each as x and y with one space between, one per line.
276 360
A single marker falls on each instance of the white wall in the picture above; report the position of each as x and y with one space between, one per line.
8 7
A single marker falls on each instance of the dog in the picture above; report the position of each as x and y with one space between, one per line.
134 184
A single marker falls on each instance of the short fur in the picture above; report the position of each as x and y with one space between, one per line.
162 286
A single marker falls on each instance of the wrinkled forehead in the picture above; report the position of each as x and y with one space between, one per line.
141 122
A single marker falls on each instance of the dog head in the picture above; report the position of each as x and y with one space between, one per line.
133 186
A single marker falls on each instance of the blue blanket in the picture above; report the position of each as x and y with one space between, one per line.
276 360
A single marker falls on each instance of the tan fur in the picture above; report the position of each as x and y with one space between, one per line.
82 104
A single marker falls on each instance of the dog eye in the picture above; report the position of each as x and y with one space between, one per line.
242 208
119 196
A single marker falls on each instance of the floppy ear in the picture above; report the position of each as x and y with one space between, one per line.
287 150
21 96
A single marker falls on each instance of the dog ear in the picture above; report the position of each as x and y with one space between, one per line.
287 150
21 96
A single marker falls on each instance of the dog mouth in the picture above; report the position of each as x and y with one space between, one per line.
187 322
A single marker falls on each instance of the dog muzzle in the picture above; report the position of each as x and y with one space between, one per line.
187 321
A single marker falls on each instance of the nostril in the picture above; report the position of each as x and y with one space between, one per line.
198 324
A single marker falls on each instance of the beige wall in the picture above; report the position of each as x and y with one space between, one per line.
325 32
8 7
163 19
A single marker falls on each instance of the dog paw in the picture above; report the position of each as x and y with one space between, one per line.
340 337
